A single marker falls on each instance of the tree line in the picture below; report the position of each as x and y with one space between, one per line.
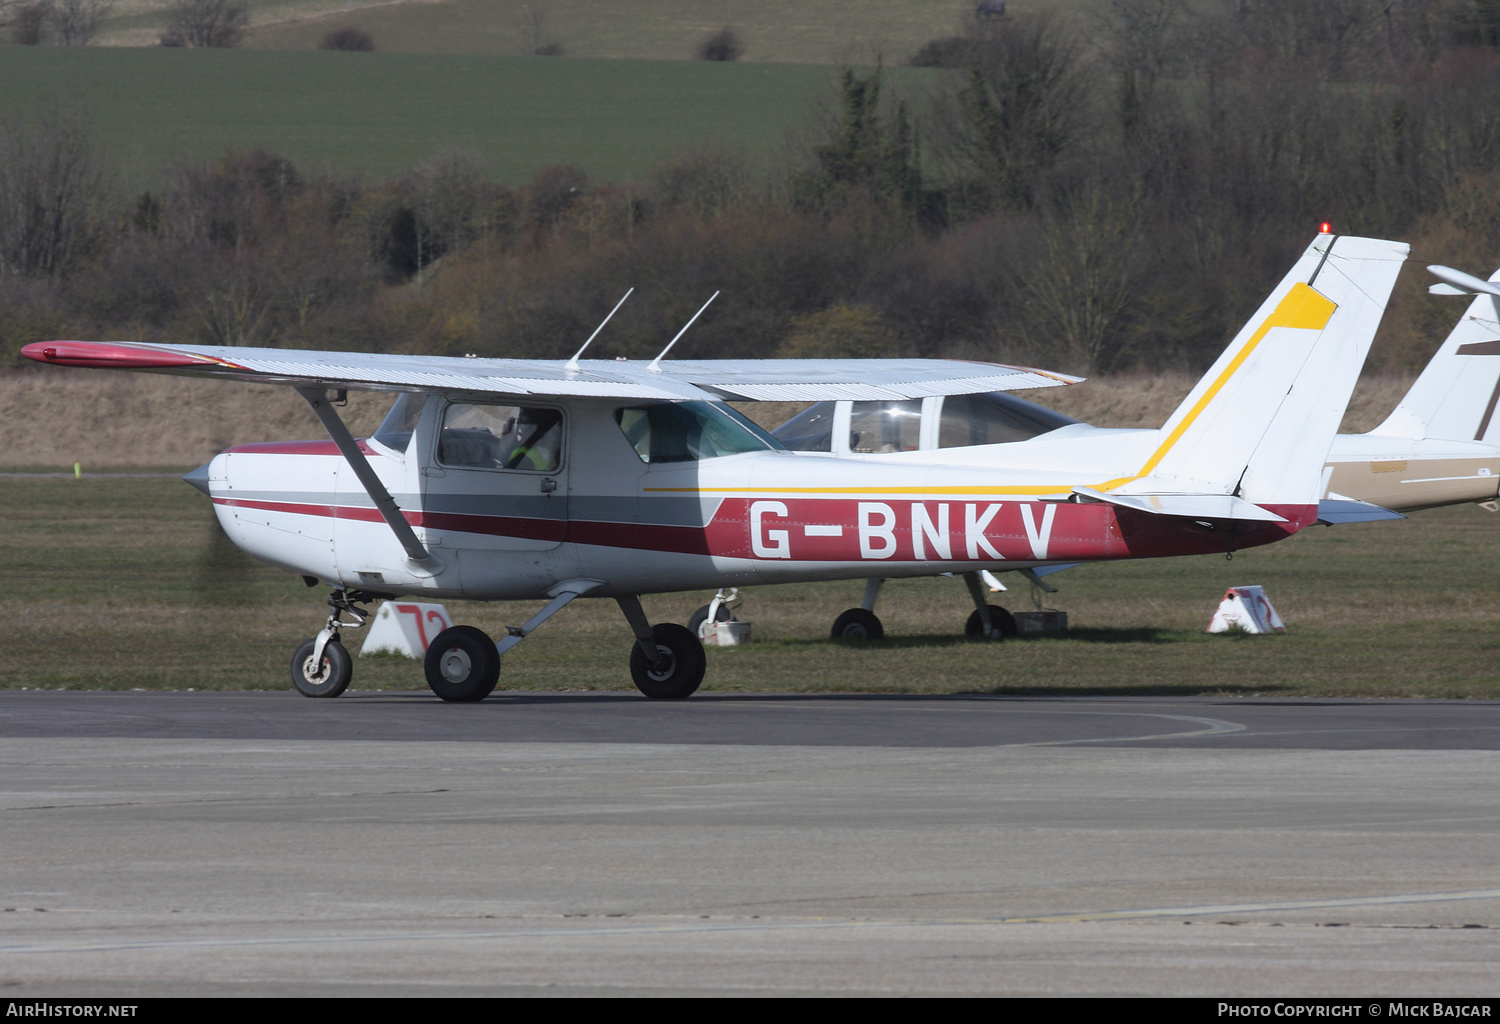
1099 194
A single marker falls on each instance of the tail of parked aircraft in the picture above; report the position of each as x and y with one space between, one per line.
1454 398
1256 429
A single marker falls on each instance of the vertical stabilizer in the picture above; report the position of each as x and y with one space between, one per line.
1260 422
1454 399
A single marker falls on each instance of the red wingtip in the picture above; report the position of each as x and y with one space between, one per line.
107 354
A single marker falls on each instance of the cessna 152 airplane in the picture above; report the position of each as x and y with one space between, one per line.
518 479
1440 446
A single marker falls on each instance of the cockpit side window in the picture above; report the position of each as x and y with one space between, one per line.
396 429
811 430
501 437
690 432
994 418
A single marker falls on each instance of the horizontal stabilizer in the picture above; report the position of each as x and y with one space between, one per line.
1456 282
1048 570
1187 506
1337 511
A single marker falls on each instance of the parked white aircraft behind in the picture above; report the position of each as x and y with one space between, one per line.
1440 446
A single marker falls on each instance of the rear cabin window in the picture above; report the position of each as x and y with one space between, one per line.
524 438
690 432
885 426
994 419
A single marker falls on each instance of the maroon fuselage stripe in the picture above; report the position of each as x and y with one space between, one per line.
1082 532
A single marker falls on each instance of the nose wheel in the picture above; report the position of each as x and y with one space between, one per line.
327 677
322 666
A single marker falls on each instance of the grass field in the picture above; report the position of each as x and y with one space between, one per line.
383 113
120 583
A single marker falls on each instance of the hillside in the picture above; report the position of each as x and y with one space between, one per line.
776 31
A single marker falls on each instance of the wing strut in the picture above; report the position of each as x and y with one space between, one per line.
329 417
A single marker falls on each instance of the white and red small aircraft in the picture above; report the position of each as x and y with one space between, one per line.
519 479
1439 446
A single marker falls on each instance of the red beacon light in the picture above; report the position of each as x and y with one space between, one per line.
1325 228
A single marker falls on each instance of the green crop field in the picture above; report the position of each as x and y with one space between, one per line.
121 582
383 113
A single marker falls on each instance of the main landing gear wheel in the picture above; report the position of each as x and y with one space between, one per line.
974 628
328 679
699 617
462 665
858 624
680 669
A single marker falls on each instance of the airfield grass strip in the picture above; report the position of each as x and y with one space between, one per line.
125 583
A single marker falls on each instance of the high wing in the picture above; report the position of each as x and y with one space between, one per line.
748 379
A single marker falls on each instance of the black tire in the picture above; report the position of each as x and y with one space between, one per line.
857 624
974 628
699 617
462 665
330 679
684 668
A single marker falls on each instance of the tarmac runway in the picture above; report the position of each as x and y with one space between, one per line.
388 844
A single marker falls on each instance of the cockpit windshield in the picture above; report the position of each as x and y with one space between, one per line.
395 430
811 430
690 432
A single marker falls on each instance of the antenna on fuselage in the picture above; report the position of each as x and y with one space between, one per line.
655 366
573 363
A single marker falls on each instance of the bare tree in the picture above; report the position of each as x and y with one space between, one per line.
27 21
53 194
75 22
448 202
218 23
1004 126
539 45
1084 277
1143 38
1343 38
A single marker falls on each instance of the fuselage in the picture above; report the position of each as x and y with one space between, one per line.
1402 474
603 507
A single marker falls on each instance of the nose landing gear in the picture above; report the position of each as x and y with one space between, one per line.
322 666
